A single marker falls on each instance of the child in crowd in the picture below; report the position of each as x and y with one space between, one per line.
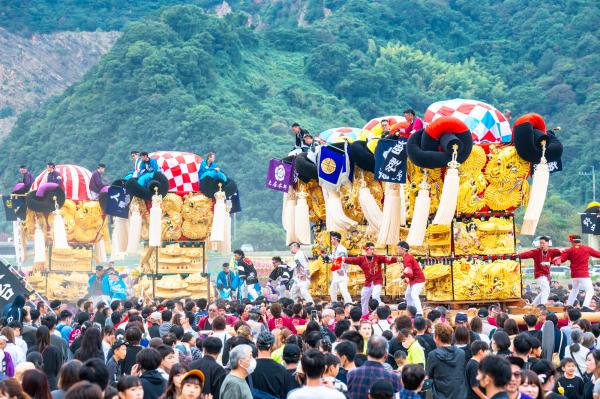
400 359
571 383
479 349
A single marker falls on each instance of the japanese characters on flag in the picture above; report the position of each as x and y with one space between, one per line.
390 160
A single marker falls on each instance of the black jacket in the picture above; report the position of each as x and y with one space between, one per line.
271 377
53 361
446 367
214 374
153 383
115 371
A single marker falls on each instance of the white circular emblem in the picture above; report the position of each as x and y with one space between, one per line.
279 173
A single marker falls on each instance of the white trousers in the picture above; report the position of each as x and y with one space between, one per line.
366 294
300 290
412 296
584 284
544 285
341 286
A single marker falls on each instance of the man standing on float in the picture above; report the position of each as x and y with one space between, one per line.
413 275
339 277
578 255
371 266
542 259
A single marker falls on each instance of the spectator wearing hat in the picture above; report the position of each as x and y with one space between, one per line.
213 372
384 390
291 358
413 275
192 384
115 362
269 377
155 320
462 320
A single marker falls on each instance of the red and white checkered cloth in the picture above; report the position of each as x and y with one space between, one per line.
486 123
180 168
76 181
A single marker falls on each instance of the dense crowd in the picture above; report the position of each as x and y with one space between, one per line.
133 349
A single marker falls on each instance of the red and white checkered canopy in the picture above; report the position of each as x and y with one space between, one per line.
486 123
180 168
76 181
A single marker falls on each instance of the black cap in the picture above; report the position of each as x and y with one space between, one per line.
382 388
55 304
404 244
51 164
118 343
101 165
291 350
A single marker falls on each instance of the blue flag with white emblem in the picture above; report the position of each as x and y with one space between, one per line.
118 202
333 167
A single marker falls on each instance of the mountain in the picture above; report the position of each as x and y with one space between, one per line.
33 69
182 78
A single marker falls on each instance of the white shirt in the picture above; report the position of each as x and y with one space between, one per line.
380 327
341 274
21 344
299 267
320 392
16 354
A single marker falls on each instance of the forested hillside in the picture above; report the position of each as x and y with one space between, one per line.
182 79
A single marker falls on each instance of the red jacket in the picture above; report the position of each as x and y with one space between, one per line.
538 257
230 320
412 270
371 268
579 256
282 322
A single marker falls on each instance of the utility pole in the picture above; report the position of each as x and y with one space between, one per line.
593 175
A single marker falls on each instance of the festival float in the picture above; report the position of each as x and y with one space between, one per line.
174 217
69 230
450 190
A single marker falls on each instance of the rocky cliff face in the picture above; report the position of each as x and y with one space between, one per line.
36 68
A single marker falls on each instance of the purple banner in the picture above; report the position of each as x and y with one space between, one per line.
280 175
